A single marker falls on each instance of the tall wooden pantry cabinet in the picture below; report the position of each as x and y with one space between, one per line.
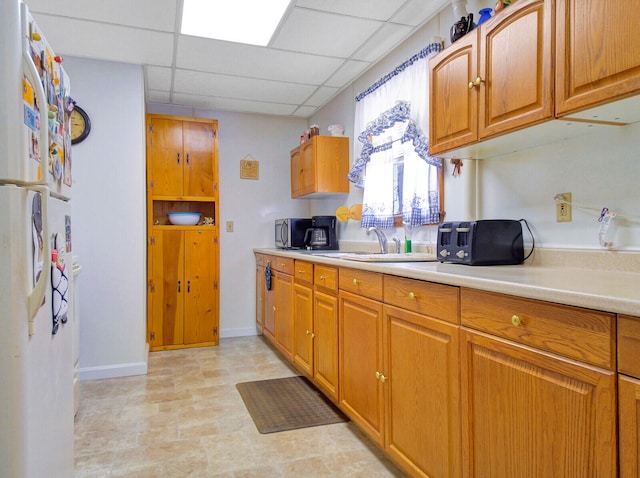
183 261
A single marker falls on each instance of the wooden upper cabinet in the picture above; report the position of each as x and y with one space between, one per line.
516 68
319 167
496 79
181 157
453 105
598 53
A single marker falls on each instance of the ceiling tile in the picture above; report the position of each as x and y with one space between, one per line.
346 73
320 33
305 111
158 96
158 78
210 84
234 105
373 9
416 12
321 96
106 42
152 14
382 41
257 62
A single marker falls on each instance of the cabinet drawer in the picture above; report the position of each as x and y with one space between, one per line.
365 283
325 277
581 334
628 345
261 260
304 271
282 264
435 300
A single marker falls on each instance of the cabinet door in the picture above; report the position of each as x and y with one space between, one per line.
198 179
598 52
629 423
308 158
325 327
164 143
422 393
200 288
303 327
361 362
260 296
516 60
269 330
296 172
532 414
167 296
453 115
284 314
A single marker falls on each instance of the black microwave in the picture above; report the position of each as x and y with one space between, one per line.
289 232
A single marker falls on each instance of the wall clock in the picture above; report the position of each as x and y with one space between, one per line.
80 125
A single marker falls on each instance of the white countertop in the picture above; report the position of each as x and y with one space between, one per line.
605 290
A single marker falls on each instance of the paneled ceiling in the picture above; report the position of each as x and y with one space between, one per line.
319 48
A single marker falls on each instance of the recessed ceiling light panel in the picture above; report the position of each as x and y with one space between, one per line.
241 21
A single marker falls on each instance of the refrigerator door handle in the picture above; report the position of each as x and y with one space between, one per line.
32 75
36 296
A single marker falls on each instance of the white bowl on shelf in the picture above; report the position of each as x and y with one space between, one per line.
184 218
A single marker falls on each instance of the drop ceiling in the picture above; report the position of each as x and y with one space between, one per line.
318 49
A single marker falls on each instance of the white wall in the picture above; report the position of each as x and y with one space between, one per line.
108 221
252 205
600 170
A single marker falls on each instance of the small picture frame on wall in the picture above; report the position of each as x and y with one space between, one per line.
249 168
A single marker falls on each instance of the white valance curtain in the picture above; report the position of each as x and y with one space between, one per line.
391 119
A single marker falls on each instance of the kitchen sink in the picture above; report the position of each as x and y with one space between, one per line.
379 257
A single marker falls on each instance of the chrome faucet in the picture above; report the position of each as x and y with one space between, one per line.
382 239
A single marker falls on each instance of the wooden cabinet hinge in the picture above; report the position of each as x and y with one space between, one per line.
215 331
215 285
152 287
214 134
152 240
152 336
215 240
150 128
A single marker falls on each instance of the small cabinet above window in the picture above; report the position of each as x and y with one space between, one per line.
319 167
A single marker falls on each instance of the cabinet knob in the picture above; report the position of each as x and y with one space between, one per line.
412 296
355 281
516 320
274 308
381 377
322 277
478 81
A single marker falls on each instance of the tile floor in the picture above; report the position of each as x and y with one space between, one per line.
185 418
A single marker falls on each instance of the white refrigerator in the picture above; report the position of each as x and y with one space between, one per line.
36 337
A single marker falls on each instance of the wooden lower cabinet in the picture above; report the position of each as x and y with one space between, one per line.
325 343
260 296
361 363
529 413
422 393
284 314
629 426
303 327
184 295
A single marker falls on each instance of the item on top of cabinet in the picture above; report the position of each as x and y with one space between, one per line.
314 130
462 27
336 130
485 14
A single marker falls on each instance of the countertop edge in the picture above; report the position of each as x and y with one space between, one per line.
608 291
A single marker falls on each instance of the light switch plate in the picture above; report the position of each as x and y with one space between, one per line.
229 226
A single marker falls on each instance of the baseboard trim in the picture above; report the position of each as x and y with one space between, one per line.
244 332
113 371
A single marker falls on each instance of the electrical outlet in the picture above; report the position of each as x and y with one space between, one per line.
229 226
563 207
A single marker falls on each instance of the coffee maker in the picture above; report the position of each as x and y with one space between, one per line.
322 234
